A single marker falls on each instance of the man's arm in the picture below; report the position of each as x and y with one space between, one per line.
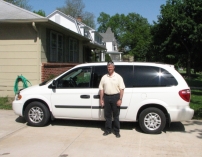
119 102
121 93
101 98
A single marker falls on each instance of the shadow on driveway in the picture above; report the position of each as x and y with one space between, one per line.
174 127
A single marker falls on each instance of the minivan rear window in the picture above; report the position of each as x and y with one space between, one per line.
149 76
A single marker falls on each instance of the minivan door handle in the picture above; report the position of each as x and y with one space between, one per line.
96 96
85 96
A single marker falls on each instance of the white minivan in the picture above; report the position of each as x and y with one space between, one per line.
155 94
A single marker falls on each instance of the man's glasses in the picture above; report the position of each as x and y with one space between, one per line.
110 62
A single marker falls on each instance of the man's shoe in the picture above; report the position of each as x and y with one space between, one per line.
106 133
117 135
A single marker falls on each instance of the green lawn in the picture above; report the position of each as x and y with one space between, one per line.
196 94
196 103
5 103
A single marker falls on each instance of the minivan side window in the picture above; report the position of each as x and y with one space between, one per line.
98 72
149 76
77 78
127 74
125 71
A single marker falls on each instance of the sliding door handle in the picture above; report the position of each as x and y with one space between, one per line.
85 96
96 96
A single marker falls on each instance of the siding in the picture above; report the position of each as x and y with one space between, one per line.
43 44
109 46
19 54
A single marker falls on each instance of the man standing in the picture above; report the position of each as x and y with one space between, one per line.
111 93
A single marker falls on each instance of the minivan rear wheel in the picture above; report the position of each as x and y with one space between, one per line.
37 114
152 120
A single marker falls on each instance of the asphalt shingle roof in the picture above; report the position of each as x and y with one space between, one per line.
9 11
108 36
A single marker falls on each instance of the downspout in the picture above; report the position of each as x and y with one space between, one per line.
34 26
38 51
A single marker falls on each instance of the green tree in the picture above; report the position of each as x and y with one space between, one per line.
21 3
178 32
103 21
75 8
132 33
40 12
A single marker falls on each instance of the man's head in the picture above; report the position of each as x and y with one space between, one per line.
110 67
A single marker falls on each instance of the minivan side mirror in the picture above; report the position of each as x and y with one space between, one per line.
53 85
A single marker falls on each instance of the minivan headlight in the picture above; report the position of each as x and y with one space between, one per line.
19 96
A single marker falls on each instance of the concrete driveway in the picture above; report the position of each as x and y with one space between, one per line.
71 138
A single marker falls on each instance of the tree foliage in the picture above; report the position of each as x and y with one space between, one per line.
177 35
21 3
75 8
103 21
40 12
132 32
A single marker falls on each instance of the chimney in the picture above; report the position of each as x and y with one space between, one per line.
79 18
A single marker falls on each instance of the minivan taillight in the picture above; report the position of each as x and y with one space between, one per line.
185 94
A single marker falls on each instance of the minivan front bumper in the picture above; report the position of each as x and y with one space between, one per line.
17 107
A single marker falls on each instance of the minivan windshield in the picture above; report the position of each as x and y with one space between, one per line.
46 82
77 78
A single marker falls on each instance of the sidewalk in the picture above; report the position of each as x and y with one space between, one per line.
75 138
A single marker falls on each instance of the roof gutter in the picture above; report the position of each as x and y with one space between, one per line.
22 20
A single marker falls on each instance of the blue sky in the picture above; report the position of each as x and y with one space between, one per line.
149 9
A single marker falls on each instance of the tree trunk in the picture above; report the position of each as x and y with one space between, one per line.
188 70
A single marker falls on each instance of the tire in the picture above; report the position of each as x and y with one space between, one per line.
37 114
152 120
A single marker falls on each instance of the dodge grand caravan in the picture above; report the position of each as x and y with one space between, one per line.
155 94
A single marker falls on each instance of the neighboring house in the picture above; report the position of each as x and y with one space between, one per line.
37 47
111 45
96 44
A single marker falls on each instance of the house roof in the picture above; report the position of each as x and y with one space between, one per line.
108 36
12 13
78 25
70 18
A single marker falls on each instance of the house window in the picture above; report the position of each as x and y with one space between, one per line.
73 54
98 39
86 33
56 47
115 48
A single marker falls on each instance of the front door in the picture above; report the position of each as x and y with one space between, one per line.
72 97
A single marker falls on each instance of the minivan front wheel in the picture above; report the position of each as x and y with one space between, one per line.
37 114
152 120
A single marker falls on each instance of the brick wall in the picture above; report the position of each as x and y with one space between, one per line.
54 69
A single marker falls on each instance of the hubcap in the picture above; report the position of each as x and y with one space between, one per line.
152 121
36 114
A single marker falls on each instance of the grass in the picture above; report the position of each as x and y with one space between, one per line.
6 103
196 103
196 94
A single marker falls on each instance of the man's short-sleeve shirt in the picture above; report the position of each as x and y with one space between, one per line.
111 84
